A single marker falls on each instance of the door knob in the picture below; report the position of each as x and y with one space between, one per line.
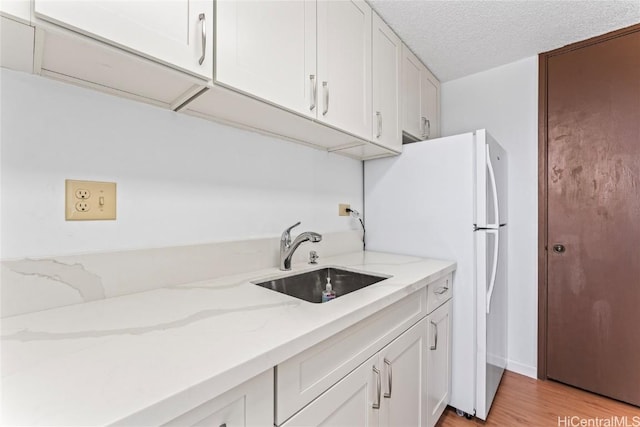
558 248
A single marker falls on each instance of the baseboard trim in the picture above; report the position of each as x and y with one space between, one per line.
522 369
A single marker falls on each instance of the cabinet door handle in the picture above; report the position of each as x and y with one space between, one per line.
389 377
428 135
379 117
435 344
314 91
441 290
325 88
223 425
423 123
203 19
376 405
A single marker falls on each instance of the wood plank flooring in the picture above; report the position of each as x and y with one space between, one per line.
523 401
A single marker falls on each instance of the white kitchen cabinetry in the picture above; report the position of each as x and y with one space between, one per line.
430 103
267 49
177 33
307 375
387 390
421 99
348 403
406 347
310 57
16 45
247 405
18 10
387 54
403 364
438 362
344 65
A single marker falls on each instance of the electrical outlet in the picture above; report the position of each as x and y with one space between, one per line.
90 200
82 193
82 207
342 209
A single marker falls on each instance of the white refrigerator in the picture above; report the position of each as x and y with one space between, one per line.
447 198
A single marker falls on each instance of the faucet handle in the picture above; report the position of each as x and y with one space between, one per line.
286 234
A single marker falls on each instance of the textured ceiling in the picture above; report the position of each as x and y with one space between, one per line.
458 38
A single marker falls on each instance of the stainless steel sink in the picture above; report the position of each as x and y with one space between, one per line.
309 285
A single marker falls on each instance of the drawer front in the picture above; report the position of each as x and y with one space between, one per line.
305 376
439 292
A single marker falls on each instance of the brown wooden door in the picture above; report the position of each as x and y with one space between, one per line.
593 196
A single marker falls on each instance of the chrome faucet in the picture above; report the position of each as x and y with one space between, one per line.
287 248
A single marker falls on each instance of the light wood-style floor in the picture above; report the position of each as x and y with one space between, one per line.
523 401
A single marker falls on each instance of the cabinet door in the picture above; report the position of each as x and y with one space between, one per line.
438 362
429 105
411 88
175 32
387 52
344 65
268 49
348 403
404 379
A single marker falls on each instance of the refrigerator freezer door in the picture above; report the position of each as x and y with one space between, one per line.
491 315
491 182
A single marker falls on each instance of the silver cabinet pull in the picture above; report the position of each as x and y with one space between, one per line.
376 405
325 88
428 132
435 344
203 19
441 290
423 124
389 377
379 116
314 91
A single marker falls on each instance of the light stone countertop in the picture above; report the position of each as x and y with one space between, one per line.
155 355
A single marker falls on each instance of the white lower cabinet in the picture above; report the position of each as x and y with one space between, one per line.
346 404
404 372
438 362
386 390
392 369
248 405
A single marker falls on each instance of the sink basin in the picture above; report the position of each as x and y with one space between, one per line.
309 285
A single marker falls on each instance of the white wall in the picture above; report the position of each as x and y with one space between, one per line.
504 100
181 180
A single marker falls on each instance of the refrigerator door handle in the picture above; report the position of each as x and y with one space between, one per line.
494 269
494 189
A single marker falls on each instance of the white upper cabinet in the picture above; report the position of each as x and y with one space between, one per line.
267 49
421 99
16 45
430 104
19 10
177 33
411 70
387 53
344 66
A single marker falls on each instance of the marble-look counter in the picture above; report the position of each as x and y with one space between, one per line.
154 355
